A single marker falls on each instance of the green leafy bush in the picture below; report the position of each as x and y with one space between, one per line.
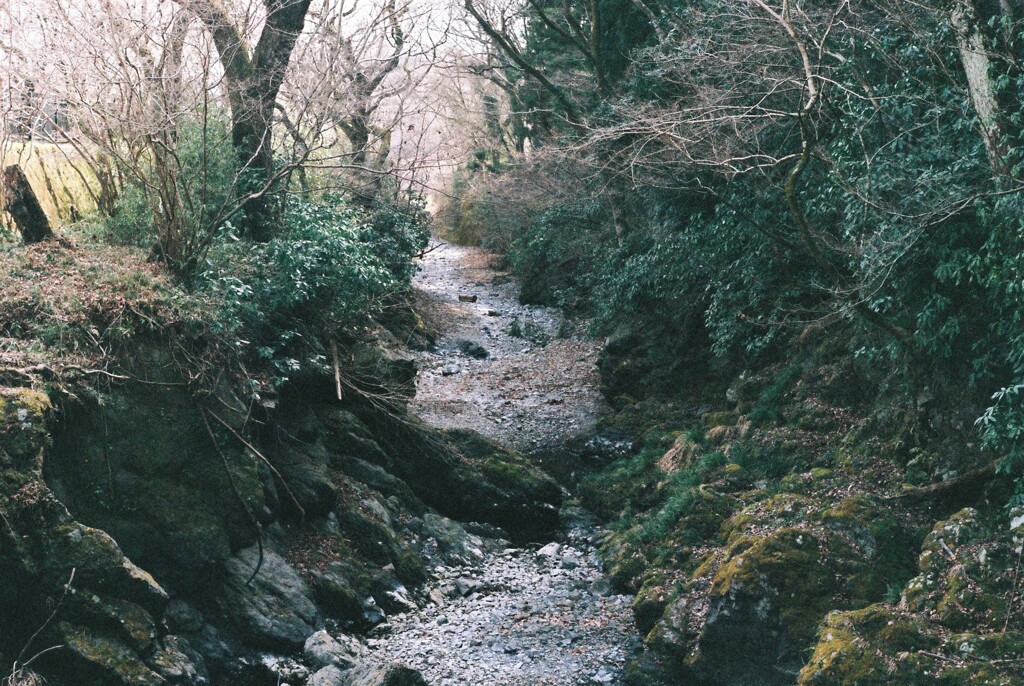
395 232
319 279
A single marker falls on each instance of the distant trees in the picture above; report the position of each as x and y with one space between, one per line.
196 117
785 165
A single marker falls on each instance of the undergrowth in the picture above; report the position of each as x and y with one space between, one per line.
265 310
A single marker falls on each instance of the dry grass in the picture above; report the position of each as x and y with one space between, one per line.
82 301
22 676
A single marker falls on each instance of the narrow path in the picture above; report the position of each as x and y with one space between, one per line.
522 376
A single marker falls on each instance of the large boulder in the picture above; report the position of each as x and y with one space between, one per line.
140 464
372 674
275 610
49 561
768 597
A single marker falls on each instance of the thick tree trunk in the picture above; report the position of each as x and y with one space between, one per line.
253 83
365 181
21 203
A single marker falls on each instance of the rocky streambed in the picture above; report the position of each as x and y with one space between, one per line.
517 617
314 540
520 374
524 377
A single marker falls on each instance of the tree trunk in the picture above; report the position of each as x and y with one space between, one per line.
253 83
986 51
21 203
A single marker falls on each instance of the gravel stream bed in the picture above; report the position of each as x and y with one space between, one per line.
520 374
519 617
523 376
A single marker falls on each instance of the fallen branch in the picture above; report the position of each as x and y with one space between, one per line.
966 486
337 368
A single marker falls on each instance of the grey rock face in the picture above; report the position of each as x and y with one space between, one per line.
182 618
276 610
328 676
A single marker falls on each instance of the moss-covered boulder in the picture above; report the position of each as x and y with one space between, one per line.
847 653
962 575
69 580
139 463
955 623
769 596
879 646
468 477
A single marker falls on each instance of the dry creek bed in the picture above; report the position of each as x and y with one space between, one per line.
526 378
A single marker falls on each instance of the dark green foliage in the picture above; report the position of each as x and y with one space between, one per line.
330 269
396 232
681 227
558 255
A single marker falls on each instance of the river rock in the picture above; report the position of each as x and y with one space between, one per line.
322 649
276 610
328 676
178 663
372 674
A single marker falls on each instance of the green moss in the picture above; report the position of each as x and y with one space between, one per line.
736 527
410 568
786 566
657 591
1007 645
847 652
107 661
883 556
879 647
24 416
131 624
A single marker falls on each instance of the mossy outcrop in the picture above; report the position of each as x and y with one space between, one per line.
955 622
53 565
742 535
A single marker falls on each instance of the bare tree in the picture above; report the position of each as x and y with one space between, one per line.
253 79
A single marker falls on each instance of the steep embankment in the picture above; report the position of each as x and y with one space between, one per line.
769 532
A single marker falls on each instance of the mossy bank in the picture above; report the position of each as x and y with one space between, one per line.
778 528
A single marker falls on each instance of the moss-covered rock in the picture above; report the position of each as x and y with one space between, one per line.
105 661
24 424
844 657
965 586
782 574
140 464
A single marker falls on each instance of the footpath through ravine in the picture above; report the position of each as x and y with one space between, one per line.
524 377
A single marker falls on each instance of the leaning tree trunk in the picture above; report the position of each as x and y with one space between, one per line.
21 203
